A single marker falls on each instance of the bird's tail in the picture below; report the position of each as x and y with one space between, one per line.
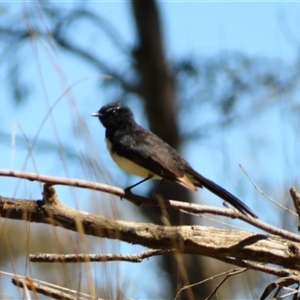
222 193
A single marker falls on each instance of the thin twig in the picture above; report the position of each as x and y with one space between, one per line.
226 273
229 274
83 258
55 291
293 292
264 194
280 272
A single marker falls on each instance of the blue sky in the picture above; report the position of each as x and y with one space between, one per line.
190 29
252 28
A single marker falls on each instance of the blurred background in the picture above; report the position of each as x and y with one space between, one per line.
218 81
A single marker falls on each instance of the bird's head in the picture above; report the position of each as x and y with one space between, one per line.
114 115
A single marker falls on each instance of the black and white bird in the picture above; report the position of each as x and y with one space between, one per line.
140 152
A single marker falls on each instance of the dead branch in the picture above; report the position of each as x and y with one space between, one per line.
50 290
200 240
139 200
83 258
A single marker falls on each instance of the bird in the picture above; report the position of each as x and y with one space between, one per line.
140 152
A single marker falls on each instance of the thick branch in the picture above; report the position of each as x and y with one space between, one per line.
163 203
201 240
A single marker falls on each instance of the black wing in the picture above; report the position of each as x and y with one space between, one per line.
150 152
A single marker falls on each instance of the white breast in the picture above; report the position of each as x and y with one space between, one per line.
127 165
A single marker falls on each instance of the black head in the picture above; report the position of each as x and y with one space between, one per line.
114 115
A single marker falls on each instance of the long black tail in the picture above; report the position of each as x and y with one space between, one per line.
225 195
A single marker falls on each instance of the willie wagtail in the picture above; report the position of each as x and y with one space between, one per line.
140 152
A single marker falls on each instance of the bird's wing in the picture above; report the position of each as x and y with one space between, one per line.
150 152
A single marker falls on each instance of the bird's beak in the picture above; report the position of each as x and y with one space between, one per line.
96 114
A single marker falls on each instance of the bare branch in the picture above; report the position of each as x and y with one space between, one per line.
83 258
59 293
200 240
279 284
139 200
226 274
264 194
259 267
229 274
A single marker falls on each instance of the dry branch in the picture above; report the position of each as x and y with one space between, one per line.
139 200
200 240
50 290
83 258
